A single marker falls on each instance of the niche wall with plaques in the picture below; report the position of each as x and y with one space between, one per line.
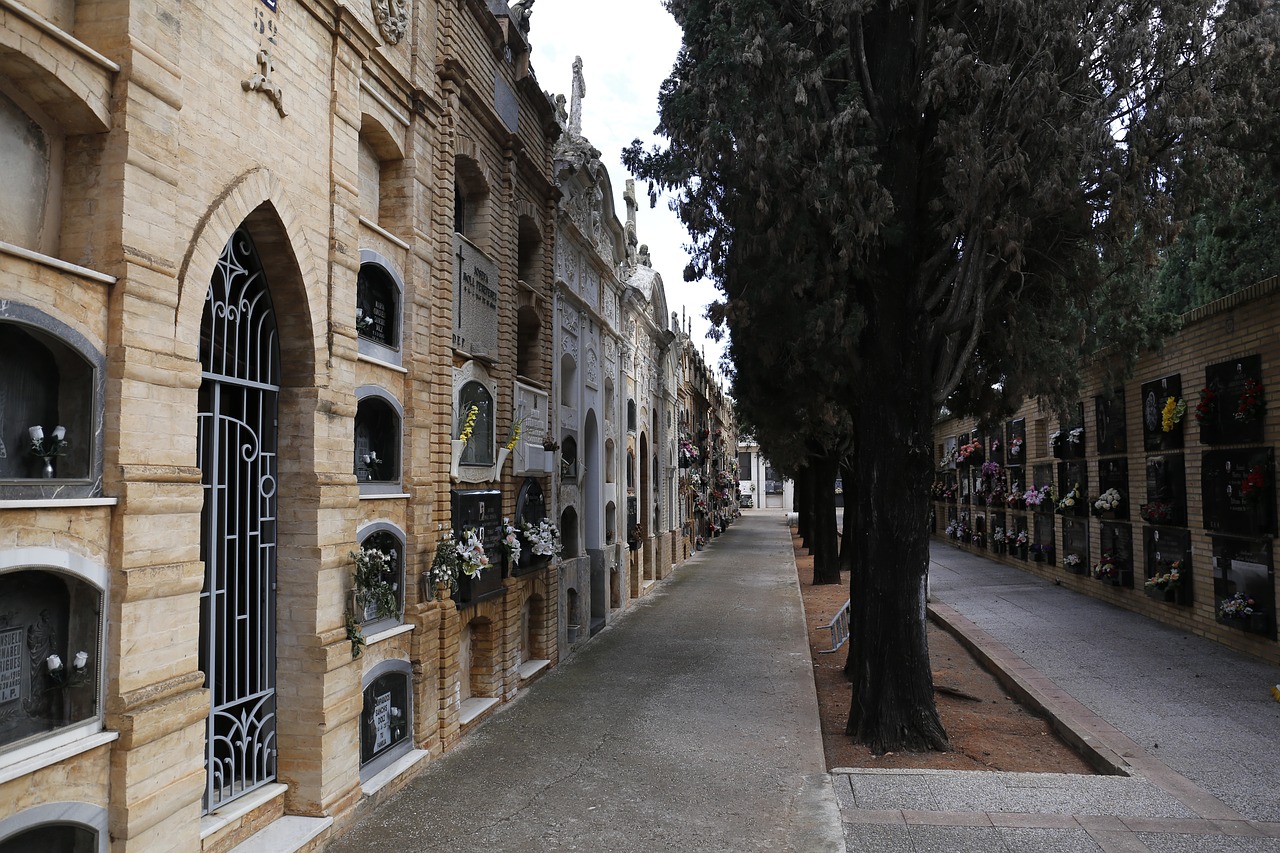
1189 540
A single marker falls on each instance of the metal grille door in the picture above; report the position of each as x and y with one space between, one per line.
239 357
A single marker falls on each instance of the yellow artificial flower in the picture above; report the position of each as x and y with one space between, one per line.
1171 415
469 425
515 436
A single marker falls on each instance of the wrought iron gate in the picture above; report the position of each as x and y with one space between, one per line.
239 358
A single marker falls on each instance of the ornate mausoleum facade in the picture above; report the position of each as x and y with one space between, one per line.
296 301
259 264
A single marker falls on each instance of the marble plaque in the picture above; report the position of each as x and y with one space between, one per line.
10 665
476 293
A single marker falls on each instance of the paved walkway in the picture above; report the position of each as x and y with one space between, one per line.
1192 722
690 724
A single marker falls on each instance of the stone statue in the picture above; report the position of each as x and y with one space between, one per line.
644 260
520 11
577 93
562 114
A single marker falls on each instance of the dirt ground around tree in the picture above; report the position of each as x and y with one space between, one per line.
989 731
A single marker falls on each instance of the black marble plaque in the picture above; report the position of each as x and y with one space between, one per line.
377 315
1243 567
1042 545
1166 490
995 446
1015 439
1019 528
1116 539
384 717
1074 475
1113 474
1072 436
1223 418
1239 491
1168 548
481 510
1109 422
998 523
531 508
388 543
1075 541
1155 394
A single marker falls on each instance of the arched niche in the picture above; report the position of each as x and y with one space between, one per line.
50 376
386 716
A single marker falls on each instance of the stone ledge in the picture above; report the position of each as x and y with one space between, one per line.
472 709
285 835
239 808
57 503
530 668
24 764
393 771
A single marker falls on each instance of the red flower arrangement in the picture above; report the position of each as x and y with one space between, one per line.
1254 487
1207 406
1251 405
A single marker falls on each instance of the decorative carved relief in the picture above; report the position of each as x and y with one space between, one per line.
593 366
393 19
261 82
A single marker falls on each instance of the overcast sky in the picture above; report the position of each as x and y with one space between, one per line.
627 50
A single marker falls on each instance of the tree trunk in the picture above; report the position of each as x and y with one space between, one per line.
804 506
847 530
826 541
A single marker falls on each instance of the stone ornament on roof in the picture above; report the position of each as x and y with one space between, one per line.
520 12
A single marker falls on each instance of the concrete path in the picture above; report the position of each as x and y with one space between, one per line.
1190 721
690 724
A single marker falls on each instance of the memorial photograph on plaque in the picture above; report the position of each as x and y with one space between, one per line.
1168 570
50 636
1232 405
1109 423
479 510
1075 546
1244 585
1112 500
384 716
1163 414
377 306
1239 491
1115 562
1166 491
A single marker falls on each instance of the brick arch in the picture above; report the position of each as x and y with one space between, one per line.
260 201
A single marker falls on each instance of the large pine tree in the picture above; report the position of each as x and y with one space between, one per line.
952 190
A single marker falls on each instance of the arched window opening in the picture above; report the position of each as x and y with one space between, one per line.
377 445
386 724
378 306
610 475
50 642
569 534
631 415
29 167
569 458
390 556
568 381
47 402
610 523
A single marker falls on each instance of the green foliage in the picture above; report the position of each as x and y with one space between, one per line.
374 587
355 635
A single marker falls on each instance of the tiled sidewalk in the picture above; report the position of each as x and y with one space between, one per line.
1190 721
